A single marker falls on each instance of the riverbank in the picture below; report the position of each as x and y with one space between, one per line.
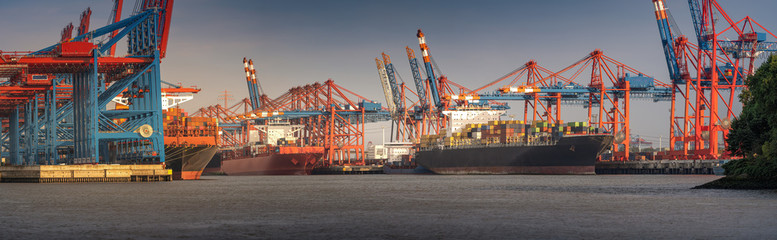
746 174
738 182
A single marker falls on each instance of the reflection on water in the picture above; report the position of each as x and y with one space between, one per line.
389 207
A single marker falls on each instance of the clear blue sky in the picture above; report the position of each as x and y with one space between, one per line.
299 42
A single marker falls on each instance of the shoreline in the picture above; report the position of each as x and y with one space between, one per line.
741 183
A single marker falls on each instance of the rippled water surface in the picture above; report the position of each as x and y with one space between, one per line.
389 207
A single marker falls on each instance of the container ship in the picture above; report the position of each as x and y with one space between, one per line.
273 149
190 143
471 145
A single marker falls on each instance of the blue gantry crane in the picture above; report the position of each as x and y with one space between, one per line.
69 80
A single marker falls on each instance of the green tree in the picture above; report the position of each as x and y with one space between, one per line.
753 135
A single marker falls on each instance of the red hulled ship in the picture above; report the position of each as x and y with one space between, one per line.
270 160
274 149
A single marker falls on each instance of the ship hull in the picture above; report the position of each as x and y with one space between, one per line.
187 162
214 166
405 170
286 161
571 155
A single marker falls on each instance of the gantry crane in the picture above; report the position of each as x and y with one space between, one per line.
424 116
706 74
330 117
405 125
384 83
597 82
57 95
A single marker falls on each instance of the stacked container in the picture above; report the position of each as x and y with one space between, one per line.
201 126
178 123
507 132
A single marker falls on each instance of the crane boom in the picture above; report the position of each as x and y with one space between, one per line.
256 83
251 88
698 23
116 15
430 78
419 84
67 33
163 26
84 26
667 39
386 86
255 91
395 90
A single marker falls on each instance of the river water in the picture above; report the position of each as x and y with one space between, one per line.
390 207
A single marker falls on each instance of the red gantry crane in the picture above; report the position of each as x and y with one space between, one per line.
333 117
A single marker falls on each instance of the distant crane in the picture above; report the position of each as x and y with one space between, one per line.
425 116
67 33
83 28
333 117
255 91
407 118
419 83
430 77
414 120
387 89
392 79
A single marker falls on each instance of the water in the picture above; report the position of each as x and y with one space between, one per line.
389 207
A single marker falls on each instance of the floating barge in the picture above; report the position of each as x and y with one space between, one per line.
85 173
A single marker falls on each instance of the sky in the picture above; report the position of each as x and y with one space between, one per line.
296 42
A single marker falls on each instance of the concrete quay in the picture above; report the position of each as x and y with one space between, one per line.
659 167
85 173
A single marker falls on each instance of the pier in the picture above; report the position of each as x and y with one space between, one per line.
658 167
349 170
85 173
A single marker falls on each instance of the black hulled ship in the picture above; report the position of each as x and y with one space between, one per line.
477 142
